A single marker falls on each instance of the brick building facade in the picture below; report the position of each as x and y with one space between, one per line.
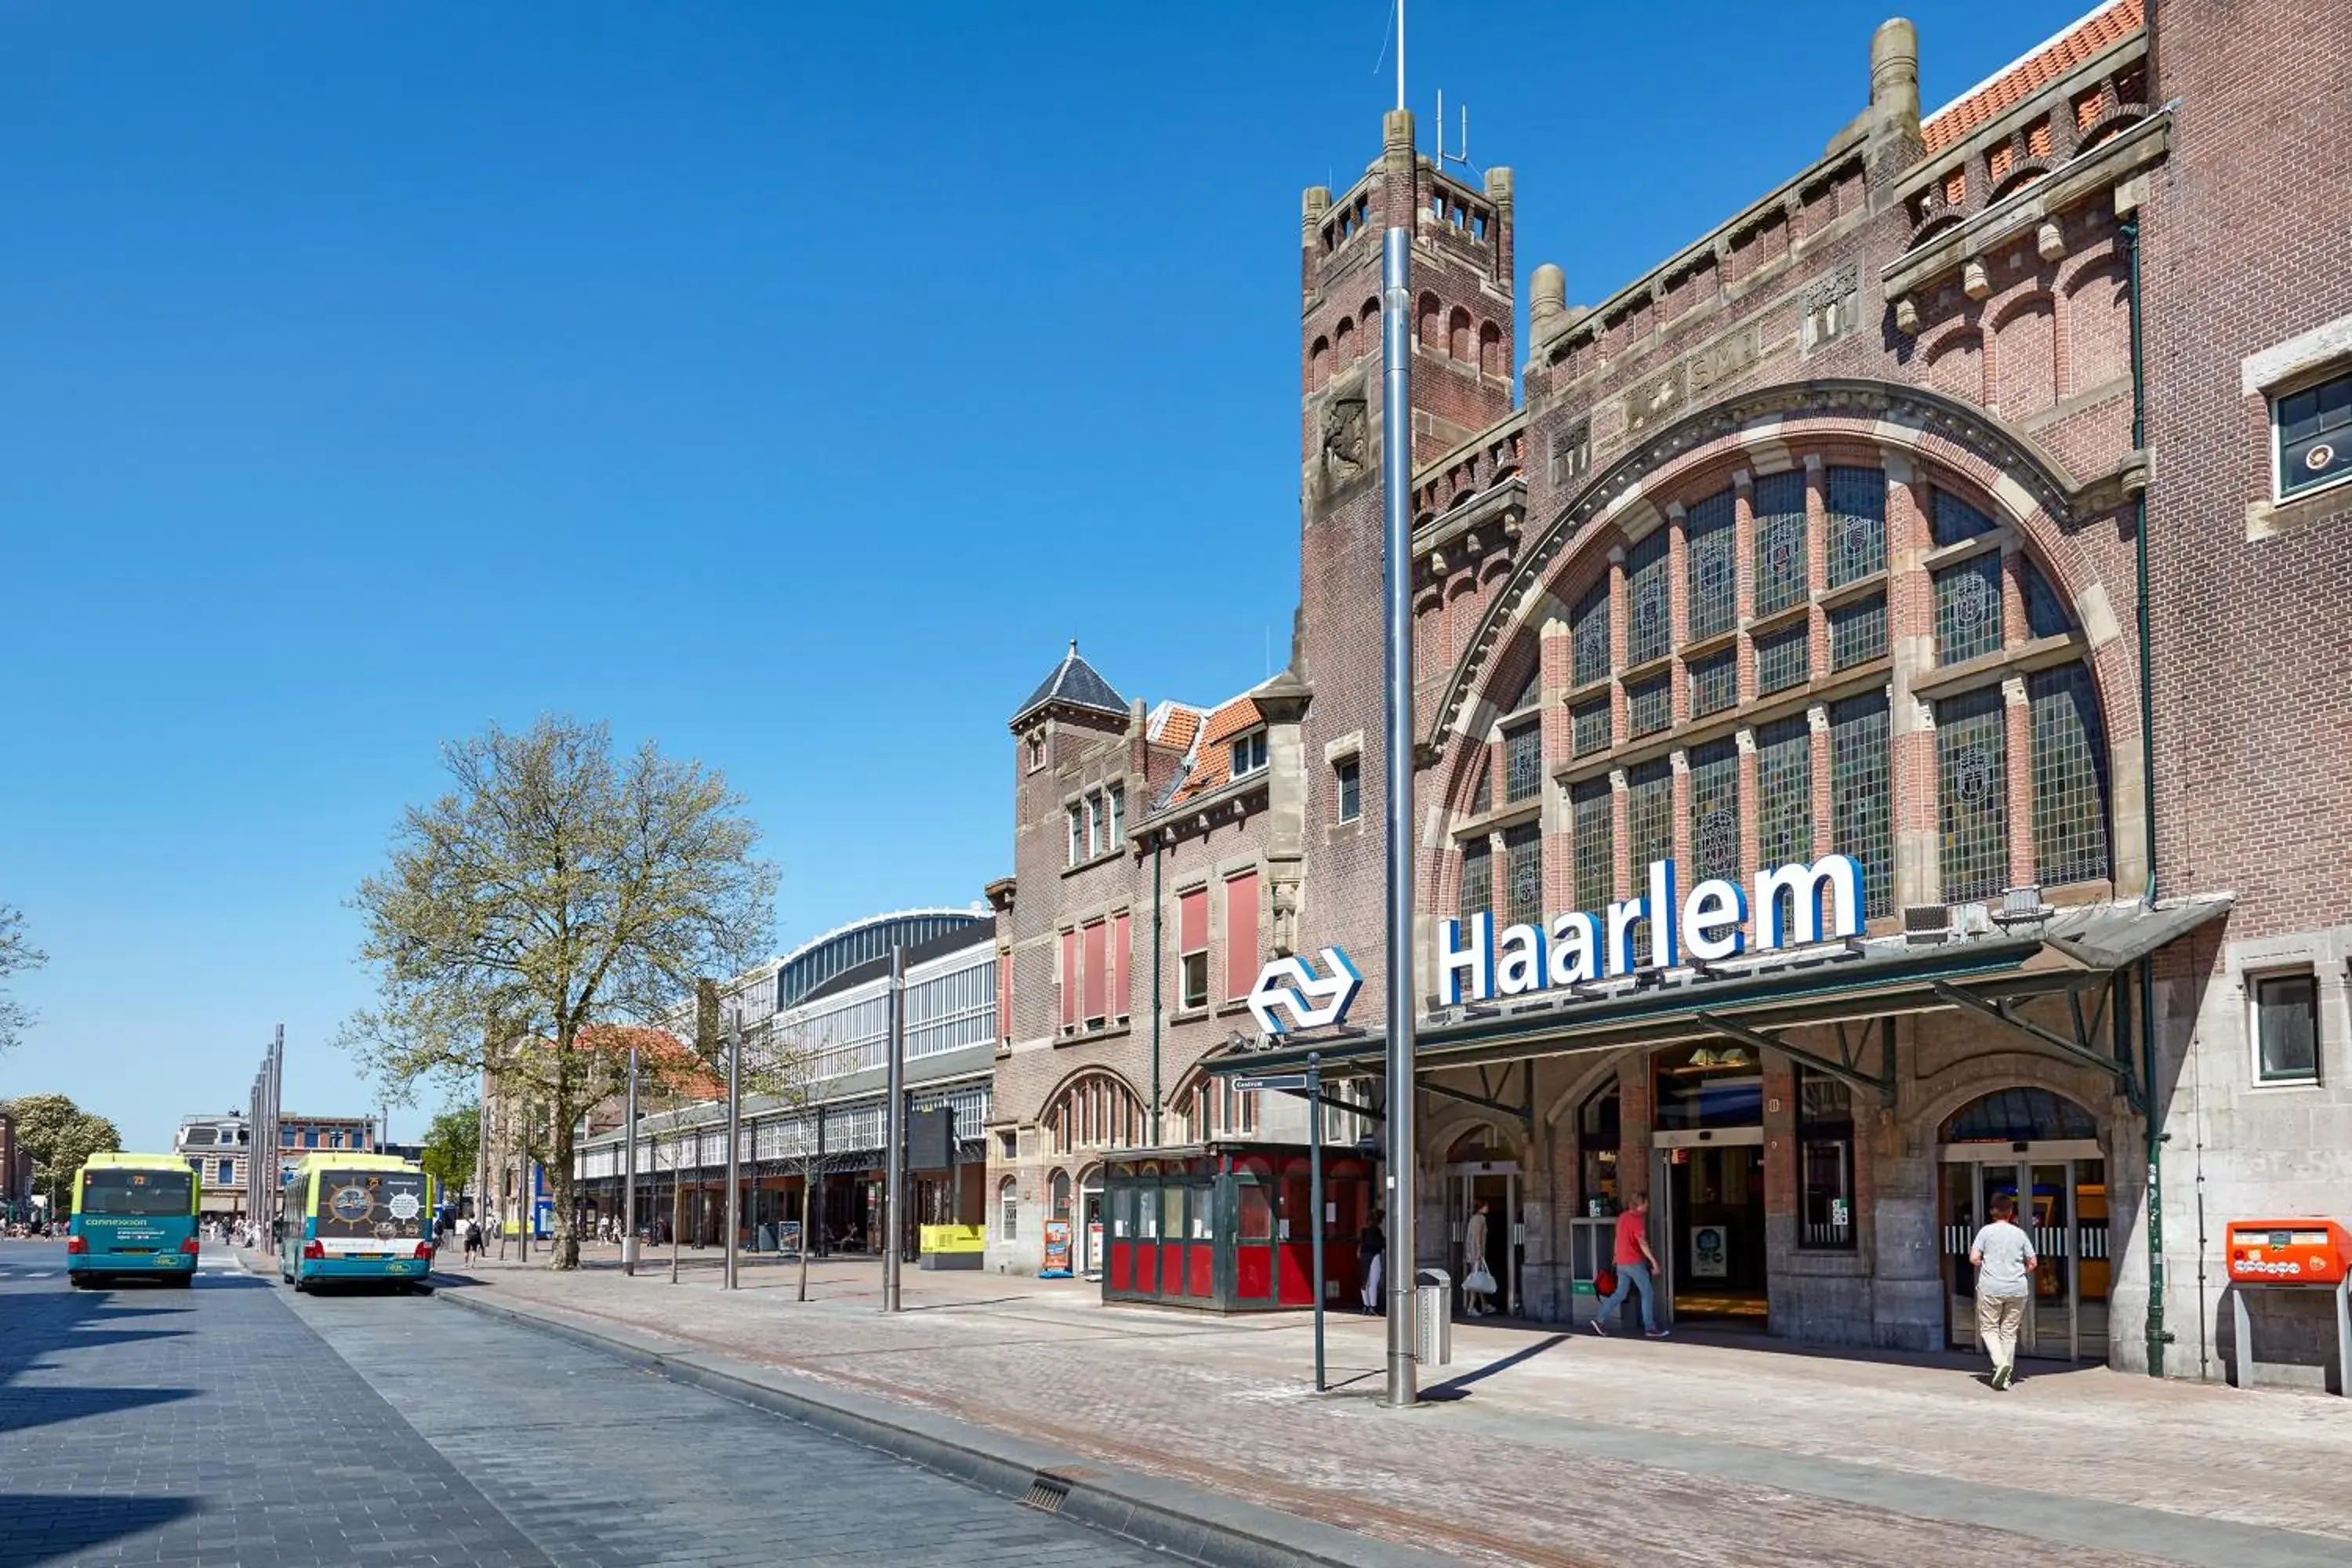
1822 538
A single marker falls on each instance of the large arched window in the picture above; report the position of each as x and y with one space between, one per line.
1730 701
1096 1110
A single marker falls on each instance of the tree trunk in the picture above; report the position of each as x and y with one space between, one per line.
560 1182
805 1185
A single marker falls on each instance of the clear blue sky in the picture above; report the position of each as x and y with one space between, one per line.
785 383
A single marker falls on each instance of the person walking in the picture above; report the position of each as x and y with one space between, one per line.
1634 1262
2003 1255
1477 1280
1371 1249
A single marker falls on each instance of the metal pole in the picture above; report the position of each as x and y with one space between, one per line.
1157 988
734 1148
1397 478
1314 1195
894 1133
629 1175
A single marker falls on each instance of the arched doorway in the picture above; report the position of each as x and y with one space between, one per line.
1090 1221
2042 1151
1481 1167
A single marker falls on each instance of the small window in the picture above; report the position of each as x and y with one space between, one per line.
1192 948
2286 1029
1094 823
1078 832
1036 751
1115 813
1008 1209
1249 753
1347 775
2314 436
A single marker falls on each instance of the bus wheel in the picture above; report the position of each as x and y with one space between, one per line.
183 1281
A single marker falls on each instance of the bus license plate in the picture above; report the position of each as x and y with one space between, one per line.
399 1268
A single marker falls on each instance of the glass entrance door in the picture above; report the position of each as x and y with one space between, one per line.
1497 1184
2063 1204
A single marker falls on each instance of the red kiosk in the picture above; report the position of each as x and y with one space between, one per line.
1227 1227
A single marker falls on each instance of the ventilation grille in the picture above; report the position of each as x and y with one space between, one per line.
1927 925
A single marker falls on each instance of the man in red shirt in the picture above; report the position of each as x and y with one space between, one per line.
1634 1261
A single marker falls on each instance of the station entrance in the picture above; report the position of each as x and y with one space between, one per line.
1706 1183
1473 1179
2042 1152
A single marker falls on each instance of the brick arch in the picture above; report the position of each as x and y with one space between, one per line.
1060 1097
1957 364
1343 342
1966 1081
2096 333
1444 1129
2023 376
1457 335
1429 324
1318 364
1580 1088
1490 350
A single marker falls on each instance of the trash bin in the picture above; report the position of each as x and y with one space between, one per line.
1433 1317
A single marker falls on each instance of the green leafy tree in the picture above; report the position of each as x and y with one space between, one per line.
556 890
453 1147
17 955
61 1137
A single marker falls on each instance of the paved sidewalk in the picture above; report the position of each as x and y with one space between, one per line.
1551 1448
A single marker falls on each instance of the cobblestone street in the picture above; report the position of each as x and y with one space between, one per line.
236 1424
1540 1447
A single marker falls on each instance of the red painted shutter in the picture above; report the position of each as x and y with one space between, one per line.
1119 943
1241 935
1192 920
1069 978
1096 970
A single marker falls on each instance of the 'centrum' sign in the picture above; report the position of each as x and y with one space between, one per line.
1793 905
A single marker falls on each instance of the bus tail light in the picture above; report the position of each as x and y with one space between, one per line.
314 1251
424 1250
76 1246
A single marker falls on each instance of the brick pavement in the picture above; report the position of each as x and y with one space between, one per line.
237 1423
1560 1448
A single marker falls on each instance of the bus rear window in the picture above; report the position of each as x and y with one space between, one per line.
138 1192
381 1204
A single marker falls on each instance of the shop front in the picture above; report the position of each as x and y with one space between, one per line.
1228 1228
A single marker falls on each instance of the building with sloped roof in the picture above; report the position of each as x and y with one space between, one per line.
1865 676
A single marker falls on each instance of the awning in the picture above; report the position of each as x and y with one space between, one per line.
2075 952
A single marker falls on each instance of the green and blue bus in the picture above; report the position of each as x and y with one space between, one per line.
356 1217
133 1214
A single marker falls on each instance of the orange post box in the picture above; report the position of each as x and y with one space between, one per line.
2289 1251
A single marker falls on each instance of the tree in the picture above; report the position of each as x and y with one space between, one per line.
788 1067
61 1137
556 889
17 955
452 1144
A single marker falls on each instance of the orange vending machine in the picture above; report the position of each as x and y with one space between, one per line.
2290 1254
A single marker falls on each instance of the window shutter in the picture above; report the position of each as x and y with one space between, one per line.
1241 935
1119 944
1094 967
1192 920
1069 978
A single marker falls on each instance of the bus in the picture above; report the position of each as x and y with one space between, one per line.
133 1214
350 1216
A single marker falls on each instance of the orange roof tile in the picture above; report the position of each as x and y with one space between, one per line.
1212 760
1175 726
1987 100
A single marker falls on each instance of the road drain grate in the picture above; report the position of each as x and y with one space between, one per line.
1046 1494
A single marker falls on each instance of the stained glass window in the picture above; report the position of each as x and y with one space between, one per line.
1523 875
1968 609
1715 811
1779 541
1714 683
1951 519
1588 635
1858 631
1649 831
2046 611
1652 627
1710 550
1522 761
1783 659
2070 777
1784 793
1972 794
1862 819
1651 703
1477 878
1482 793
1856 501
1592 726
1531 691
1594 823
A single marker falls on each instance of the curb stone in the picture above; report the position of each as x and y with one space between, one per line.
1176 1517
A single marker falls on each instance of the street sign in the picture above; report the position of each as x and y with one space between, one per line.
1274 1080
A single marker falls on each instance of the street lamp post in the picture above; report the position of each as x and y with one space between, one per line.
734 1149
894 1133
629 1176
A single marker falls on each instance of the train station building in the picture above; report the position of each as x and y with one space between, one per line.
1881 722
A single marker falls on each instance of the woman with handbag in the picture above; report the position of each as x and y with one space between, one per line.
1477 1280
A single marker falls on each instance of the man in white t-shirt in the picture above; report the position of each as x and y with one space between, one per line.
2004 1261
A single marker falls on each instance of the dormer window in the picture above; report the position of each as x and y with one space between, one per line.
1249 753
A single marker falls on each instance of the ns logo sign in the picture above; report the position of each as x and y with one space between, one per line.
1290 995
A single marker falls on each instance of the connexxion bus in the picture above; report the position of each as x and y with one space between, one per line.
132 1213
355 1217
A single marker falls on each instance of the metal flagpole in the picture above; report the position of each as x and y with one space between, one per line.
894 1133
734 1149
629 1176
1396 471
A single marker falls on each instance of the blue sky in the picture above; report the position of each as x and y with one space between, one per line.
785 383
